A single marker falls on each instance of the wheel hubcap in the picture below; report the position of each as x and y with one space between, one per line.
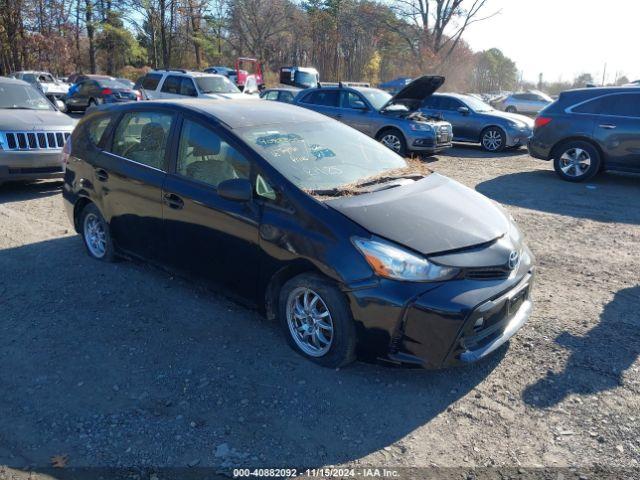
309 322
391 141
492 140
575 162
95 235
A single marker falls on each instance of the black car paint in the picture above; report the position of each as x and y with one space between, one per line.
252 248
617 138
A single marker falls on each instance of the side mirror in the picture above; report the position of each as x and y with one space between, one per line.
236 189
463 110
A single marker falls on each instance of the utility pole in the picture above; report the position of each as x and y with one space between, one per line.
604 73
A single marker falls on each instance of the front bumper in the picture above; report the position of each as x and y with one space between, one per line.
435 325
517 137
31 165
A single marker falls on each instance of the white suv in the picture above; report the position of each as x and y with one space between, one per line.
159 84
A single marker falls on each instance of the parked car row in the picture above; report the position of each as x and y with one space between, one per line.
445 117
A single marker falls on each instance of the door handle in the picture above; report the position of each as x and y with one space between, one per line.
608 126
173 201
102 175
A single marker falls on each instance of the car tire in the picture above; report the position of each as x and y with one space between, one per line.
91 105
393 139
96 234
493 139
316 319
511 109
577 161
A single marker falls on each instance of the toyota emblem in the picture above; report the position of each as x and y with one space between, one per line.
514 260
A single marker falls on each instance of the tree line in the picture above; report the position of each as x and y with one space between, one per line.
360 40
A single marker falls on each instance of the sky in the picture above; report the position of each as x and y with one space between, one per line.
564 38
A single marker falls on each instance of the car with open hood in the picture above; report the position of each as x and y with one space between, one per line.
32 133
475 121
356 250
395 121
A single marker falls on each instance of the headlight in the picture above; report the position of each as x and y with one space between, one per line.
420 127
390 261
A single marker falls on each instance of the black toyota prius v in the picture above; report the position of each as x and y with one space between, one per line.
356 251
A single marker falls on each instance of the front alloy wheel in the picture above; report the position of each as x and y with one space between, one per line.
493 140
393 140
316 319
309 321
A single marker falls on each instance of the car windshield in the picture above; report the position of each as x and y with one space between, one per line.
309 80
216 85
377 98
323 155
22 97
477 105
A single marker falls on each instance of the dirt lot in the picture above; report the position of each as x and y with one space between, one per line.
125 365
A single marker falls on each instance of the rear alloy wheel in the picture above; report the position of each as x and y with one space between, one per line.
577 161
511 109
493 139
394 140
96 234
317 321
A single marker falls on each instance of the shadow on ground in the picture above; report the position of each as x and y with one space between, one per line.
123 364
607 198
21 191
466 150
599 359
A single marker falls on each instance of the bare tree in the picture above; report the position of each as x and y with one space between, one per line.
438 25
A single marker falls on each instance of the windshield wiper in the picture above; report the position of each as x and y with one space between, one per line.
366 182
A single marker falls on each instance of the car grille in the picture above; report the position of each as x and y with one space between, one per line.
34 140
487 273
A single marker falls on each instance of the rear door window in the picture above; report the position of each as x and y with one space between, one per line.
171 85
325 98
142 138
620 105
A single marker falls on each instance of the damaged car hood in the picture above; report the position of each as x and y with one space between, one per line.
432 215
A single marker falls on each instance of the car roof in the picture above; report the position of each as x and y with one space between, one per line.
233 113
283 89
15 81
187 73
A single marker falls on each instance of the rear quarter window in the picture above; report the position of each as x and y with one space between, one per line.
150 81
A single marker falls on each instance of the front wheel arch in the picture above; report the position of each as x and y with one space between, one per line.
401 136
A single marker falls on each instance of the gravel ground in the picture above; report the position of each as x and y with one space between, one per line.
126 365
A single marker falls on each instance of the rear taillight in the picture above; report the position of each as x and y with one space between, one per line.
107 91
66 152
542 121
